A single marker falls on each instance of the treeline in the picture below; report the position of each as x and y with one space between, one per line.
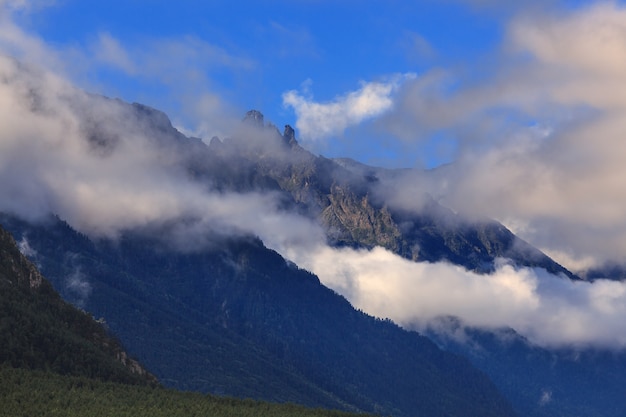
27 393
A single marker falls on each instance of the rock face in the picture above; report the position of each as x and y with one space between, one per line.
355 221
343 196
290 136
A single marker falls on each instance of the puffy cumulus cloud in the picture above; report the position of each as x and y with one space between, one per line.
549 310
317 122
538 132
588 43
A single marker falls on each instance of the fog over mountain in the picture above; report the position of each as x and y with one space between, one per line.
554 175
534 129
106 166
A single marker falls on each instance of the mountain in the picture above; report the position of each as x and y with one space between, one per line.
208 307
542 382
55 357
40 331
238 319
345 197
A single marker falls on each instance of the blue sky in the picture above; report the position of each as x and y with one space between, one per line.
206 63
248 54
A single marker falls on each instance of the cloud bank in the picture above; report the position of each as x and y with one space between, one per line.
533 130
550 311
538 144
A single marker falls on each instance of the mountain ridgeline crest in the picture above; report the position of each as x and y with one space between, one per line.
343 196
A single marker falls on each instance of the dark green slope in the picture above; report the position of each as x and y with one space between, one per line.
55 360
184 349
38 330
239 320
32 393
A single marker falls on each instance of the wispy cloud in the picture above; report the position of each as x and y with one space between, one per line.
180 70
110 51
290 41
24 5
174 73
96 163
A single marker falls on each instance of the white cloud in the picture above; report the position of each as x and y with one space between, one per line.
549 310
170 73
539 132
317 122
590 42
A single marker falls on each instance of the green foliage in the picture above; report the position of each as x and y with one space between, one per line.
39 330
35 393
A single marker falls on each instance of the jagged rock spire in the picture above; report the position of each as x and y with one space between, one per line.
290 135
255 119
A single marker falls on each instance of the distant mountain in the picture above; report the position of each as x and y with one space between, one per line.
40 331
237 319
541 382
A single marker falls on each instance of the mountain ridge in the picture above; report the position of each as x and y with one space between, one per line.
343 197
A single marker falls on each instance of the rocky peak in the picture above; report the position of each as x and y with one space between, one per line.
254 118
215 142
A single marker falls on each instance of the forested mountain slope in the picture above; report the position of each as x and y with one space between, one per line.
41 331
238 319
